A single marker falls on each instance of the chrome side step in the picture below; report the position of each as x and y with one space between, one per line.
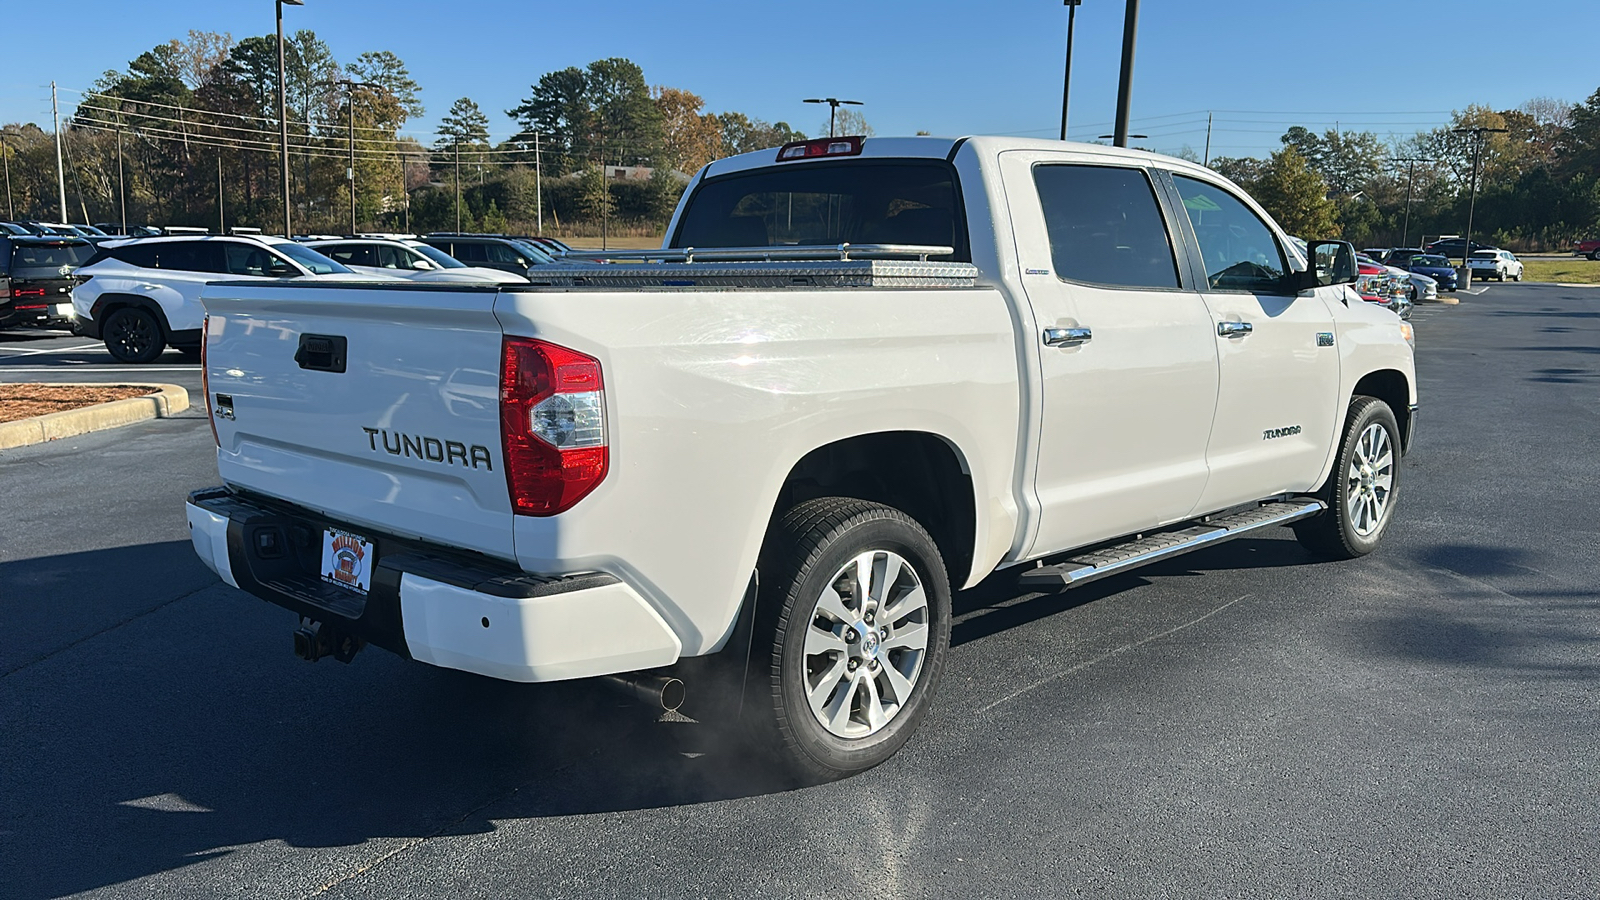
1140 551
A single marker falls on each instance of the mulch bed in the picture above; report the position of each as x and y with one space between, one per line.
22 401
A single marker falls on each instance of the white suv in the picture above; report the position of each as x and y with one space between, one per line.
1496 264
143 294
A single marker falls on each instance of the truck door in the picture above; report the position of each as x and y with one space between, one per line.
1277 407
1126 357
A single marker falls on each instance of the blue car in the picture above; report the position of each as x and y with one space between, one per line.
1432 265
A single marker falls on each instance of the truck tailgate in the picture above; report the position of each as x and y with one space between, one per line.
377 406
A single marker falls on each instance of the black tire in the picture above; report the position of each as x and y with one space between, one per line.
134 336
813 542
1336 534
1595 255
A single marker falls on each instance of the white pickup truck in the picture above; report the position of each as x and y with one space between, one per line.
860 373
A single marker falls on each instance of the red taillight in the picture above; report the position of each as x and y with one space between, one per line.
552 425
27 292
205 379
838 146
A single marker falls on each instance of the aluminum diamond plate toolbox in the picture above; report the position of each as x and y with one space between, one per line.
852 273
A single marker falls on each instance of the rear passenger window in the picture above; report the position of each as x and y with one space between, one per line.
1240 252
187 256
1105 226
469 253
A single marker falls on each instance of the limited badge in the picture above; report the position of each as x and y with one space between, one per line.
1324 339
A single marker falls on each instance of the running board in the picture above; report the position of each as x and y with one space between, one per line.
1143 550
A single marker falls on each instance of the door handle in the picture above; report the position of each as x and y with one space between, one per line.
1234 329
1067 337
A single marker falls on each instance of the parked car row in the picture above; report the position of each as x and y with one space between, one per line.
140 295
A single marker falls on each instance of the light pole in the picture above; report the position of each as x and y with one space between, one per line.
283 114
1130 27
1477 148
1066 80
833 107
1411 177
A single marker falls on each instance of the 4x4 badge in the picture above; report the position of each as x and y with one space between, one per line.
1324 339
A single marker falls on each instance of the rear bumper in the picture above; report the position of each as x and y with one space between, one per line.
447 608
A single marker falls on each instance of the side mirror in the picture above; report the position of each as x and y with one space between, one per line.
421 265
1331 262
280 269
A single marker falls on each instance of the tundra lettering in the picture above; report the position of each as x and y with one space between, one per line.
430 448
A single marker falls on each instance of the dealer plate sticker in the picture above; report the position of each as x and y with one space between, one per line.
347 560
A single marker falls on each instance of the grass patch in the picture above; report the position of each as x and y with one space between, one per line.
1575 270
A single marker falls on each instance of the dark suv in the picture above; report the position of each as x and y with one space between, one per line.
1452 247
37 277
491 251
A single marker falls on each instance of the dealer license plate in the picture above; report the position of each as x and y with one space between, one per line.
347 560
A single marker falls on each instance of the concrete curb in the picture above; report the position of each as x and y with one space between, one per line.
168 400
1447 301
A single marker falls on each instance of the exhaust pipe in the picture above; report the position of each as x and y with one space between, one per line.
656 691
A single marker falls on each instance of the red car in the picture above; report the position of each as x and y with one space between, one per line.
1589 248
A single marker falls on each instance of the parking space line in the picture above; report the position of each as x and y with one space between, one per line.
15 353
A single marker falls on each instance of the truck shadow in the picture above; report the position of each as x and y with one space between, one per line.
997 604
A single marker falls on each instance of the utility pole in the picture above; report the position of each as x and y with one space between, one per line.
222 221
833 107
61 173
1411 177
458 184
1130 28
1477 149
538 185
122 188
5 157
1066 79
350 172
1207 160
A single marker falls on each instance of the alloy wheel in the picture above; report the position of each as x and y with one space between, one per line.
1370 481
865 645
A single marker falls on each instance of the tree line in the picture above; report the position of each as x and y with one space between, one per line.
1537 178
188 134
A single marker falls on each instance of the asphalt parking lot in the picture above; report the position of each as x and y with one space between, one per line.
1240 722
37 354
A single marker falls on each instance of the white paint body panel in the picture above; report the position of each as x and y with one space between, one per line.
539 639
208 532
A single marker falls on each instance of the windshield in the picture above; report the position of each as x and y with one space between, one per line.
311 259
44 259
440 258
1435 261
535 255
902 201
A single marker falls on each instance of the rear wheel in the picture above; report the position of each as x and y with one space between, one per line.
1361 490
855 614
134 336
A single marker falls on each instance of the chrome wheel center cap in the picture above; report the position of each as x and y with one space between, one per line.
869 643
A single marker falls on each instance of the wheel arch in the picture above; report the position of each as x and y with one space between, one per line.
921 473
110 302
1393 388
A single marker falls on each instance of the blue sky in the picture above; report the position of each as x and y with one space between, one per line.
942 66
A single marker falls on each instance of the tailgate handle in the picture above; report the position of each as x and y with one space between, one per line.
321 352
